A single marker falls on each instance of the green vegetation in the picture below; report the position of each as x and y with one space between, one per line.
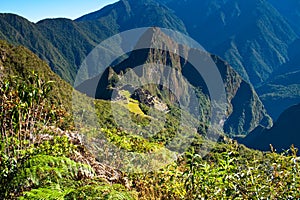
43 157
133 105
65 54
19 31
45 165
37 161
19 61
230 171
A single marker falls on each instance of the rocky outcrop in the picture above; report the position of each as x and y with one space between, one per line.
245 111
82 155
145 97
167 69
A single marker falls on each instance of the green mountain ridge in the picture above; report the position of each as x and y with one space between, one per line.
127 14
21 62
251 35
64 43
20 31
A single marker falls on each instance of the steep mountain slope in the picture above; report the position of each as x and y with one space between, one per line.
280 93
284 133
290 10
64 43
66 36
21 62
56 164
33 115
251 35
19 31
294 62
60 42
283 89
129 14
244 104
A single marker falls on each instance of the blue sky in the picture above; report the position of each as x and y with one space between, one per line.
35 10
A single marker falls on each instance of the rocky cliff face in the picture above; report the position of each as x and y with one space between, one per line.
165 67
246 111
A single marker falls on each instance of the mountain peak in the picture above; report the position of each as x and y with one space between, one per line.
130 14
156 38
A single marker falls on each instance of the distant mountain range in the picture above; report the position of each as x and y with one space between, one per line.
253 36
64 43
258 38
242 32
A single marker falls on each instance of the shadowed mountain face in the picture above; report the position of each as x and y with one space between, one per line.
290 10
280 93
251 35
244 104
257 39
284 133
129 14
282 90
